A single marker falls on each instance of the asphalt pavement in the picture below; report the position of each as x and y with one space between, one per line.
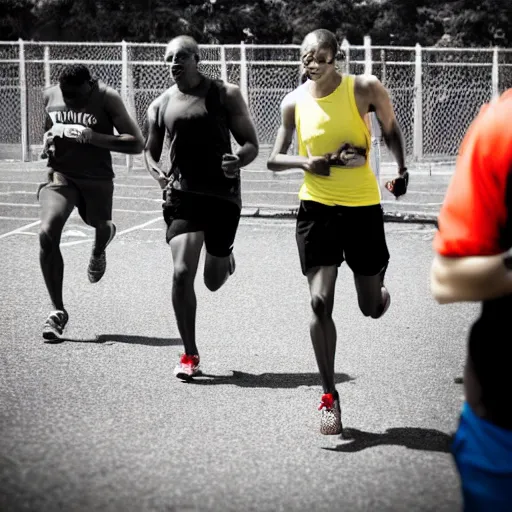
99 422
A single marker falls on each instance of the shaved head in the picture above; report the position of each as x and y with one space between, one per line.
320 38
182 43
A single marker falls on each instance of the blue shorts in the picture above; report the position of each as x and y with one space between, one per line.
483 454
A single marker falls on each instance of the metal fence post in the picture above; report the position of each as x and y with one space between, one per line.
495 77
223 65
25 153
124 92
418 106
368 61
243 73
47 71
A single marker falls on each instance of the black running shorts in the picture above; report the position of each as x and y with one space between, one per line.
186 212
92 197
329 235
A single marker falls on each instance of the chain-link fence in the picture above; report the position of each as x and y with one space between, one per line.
436 92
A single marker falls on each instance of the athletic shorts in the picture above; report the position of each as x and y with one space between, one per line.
329 235
483 454
93 198
186 212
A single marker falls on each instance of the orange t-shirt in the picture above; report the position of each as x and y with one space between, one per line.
476 216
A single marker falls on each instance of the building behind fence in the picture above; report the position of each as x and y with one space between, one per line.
436 91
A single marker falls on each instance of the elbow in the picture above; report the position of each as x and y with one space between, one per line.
272 165
139 147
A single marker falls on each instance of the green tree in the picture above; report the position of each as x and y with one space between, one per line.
16 19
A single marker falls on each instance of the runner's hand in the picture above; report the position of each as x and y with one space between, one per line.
84 136
163 181
318 165
48 145
230 165
155 170
398 186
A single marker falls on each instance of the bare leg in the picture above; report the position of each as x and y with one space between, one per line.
105 231
56 207
217 270
186 249
322 282
373 297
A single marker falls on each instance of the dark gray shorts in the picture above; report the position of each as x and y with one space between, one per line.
92 197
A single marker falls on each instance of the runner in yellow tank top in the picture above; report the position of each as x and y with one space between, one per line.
340 216
323 125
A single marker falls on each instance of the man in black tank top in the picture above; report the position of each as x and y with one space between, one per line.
202 199
81 114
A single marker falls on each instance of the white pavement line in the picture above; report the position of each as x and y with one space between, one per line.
130 198
24 205
129 230
18 218
124 185
17 192
8 182
247 221
404 203
5 182
140 226
426 193
17 169
36 205
19 230
137 211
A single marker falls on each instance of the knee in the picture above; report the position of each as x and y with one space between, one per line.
319 306
183 276
49 237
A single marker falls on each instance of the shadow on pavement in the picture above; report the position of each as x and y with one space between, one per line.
410 437
110 339
267 380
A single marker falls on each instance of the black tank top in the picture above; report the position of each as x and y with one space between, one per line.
199 135
81 160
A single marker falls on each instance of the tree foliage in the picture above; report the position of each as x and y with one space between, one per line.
389 22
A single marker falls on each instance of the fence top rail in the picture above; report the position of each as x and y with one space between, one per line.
252 46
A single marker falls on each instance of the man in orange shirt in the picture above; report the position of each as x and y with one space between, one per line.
473 262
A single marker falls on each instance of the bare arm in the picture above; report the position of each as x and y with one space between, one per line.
155 142
380 102
129 140
241 126
279 160
469 279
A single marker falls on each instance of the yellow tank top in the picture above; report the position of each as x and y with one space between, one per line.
323 125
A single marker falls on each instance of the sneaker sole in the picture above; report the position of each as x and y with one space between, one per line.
51 336
95 277
333 432
186 376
